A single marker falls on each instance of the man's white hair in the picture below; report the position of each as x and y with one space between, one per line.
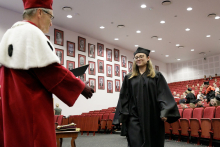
29 13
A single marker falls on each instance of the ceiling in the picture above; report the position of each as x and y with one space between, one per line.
110 13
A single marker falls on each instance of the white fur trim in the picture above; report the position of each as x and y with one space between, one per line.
30 47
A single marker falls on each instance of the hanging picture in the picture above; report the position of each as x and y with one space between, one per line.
109 86
108 55
81 44
117 70
58 37
101 82
156 68
92 68
70 65
116 55
100 66
123 61
82 77
117 85
60 55
100 49
81 60
91 52
109 70
130 66
92 84
70 49
48 37
124 72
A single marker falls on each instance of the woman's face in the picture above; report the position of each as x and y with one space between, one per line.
141 59
212 101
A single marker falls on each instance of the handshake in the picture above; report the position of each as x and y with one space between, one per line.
87 91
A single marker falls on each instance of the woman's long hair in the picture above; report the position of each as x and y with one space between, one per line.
150 70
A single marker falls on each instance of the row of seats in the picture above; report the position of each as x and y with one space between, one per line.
198 122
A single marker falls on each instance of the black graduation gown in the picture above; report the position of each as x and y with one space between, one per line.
152 99
190 98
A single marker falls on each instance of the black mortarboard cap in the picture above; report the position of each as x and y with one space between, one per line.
142 50
206 83
189 89
80 70
196 101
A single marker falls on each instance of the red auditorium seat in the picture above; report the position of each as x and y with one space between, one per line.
60 119
185 123
55 118
167 127
65 121
215 133
109 122
104 121
175 127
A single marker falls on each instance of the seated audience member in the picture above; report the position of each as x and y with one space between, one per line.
196 88
193 86
183 105
187 86
177 96
212 102
184 94
191 105
182 99
201 88
216 75
205 77
190 97
216 87
215 80
197 84
210 77
217 99
199 103
210 91
198 95
174 93
202 98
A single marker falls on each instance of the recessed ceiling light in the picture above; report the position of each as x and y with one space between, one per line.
67 8
120 26
102 27
192 50
167 55
162 21
187 29
69 16
138 31
180 46
153 51
116 39
136 45
217 17
154 37
167 2
159 38
208 36
212 15
143 6
177 45
189 9
178 59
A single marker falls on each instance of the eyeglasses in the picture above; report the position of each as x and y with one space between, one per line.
51 16
140 57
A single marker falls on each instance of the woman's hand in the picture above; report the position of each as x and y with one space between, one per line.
164 119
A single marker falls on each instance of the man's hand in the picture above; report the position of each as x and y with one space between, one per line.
164 119
87 91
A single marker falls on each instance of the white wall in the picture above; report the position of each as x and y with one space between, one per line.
101 98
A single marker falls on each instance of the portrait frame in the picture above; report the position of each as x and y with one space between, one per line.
79 57
118 72
101 54
107 71
110 90
103 84
108 59
130 69
117 89
84 76
89 52
68 50
92 79
98 63
122 73
156 68
67 64
58 41
92 72
84 44
48 37
58 54
116 58
122 61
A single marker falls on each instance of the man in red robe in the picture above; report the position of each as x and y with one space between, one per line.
29 73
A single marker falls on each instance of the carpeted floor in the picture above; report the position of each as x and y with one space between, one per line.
113 140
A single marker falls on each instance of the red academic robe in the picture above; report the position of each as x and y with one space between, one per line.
27 104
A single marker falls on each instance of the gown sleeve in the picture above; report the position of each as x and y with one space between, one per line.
61 82
165 98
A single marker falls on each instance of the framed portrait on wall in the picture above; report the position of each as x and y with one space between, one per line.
70 49
100 49
100 66
81 60
82 77
60 55
116 54
81 44
117 70
130 66
91 52
156 68
109 86
101 82
92 83
123 61
92 68
70 65
109 70
108 55
124 72
48 37
58 37
117 85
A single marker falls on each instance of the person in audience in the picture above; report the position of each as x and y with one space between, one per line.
57 110
139 102
216 75
187 86
201 98
210 91
217 93
182 99
217 100
198 95
212 102
216 87
190 97
174 93
196 88
215 81
199 103
177 96
197 84
193 86
184 95
205 78
192 105
183 106
210 77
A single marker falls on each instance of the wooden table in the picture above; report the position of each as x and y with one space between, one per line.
66 134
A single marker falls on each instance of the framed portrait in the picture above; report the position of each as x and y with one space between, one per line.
109 70
109 86
100 49
156 68
81 44
82 77
81 60
92 83
124 72
101 82
58 37
116 54
48 37
130 66
70 65
92 68
100 66
60 55
117 85
117 70
70 49
109 55
123 61
91 52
